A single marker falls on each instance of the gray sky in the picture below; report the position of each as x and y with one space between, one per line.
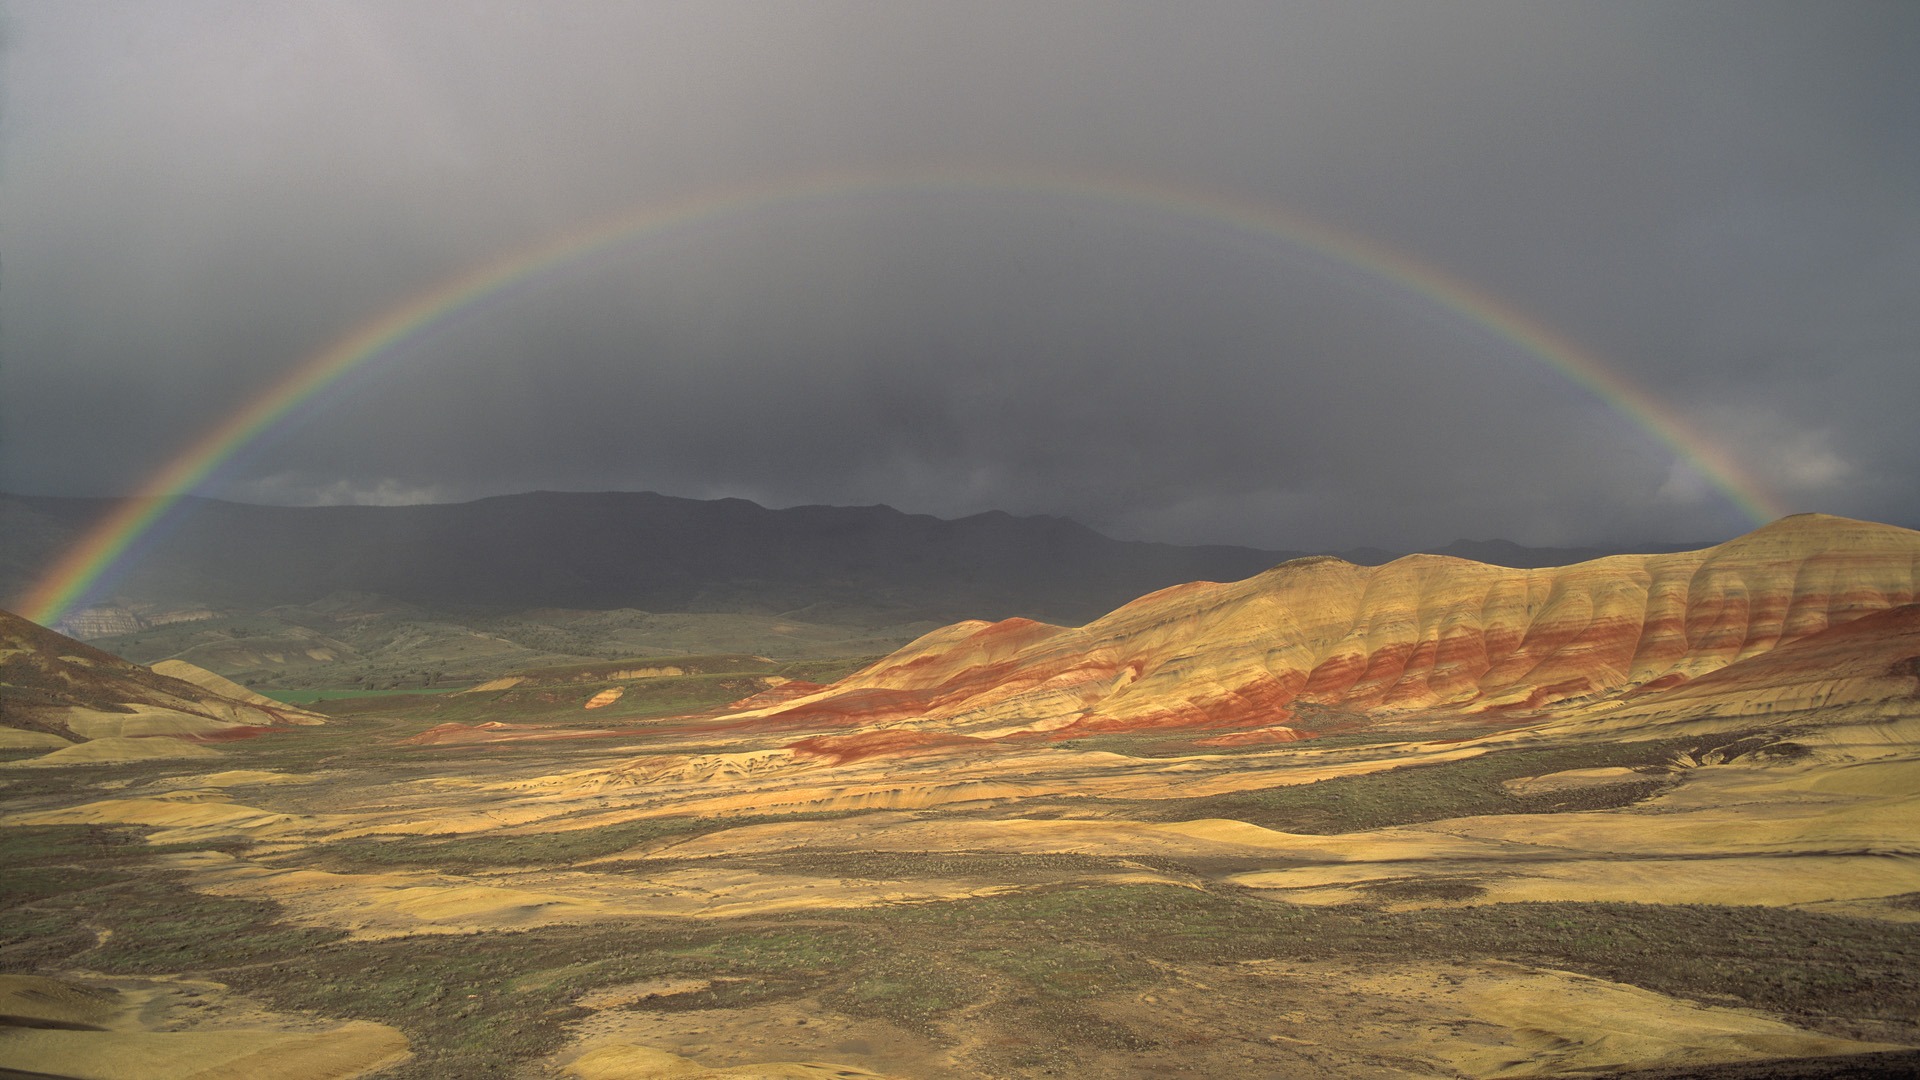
1721 200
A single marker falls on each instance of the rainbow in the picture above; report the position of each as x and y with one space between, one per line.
104 546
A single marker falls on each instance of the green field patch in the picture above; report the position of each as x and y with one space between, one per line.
921 865
349 693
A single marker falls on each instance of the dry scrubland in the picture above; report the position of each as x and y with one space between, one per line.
1022 851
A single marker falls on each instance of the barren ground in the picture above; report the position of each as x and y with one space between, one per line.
650 896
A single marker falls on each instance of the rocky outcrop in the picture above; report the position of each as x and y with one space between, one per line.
1425 633
97 622
106 620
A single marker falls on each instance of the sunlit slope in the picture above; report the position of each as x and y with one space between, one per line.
55 691
1424 633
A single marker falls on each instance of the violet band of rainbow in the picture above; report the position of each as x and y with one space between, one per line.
66 582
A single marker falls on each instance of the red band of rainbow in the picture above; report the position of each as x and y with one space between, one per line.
67 582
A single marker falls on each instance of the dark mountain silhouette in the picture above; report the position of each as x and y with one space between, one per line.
860 565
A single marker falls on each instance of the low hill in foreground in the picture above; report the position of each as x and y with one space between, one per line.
83 704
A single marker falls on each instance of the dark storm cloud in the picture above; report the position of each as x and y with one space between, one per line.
1718 199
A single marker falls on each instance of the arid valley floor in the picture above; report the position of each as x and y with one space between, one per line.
1648 815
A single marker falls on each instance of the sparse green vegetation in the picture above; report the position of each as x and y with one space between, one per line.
1837 967
1471 786
1059 957
560 695
562 848
314 697
384 646
65 882
485 1005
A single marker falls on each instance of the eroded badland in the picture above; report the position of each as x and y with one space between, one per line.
1433 818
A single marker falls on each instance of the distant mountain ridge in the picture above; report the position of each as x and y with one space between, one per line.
598 551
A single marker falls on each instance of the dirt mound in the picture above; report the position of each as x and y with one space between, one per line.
227 688
175 1029
115 749
625 1061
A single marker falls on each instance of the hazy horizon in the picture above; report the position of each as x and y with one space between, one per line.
1704 541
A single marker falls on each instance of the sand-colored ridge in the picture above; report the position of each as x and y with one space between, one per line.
899 831
36 1001
227 688
1777 833
116 750
233 778
1497 1020
162 1028
891 743
627 1061
1788 833
658 671
141 720
176 816
20 739
706 768
1573 780
373 905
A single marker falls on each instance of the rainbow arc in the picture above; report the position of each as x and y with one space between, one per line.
108 544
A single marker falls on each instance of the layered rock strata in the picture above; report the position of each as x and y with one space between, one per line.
1425 633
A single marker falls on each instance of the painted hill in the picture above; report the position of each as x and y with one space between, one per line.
1422 634
1871 663
56 692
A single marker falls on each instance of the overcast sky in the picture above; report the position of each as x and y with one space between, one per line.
1719 200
